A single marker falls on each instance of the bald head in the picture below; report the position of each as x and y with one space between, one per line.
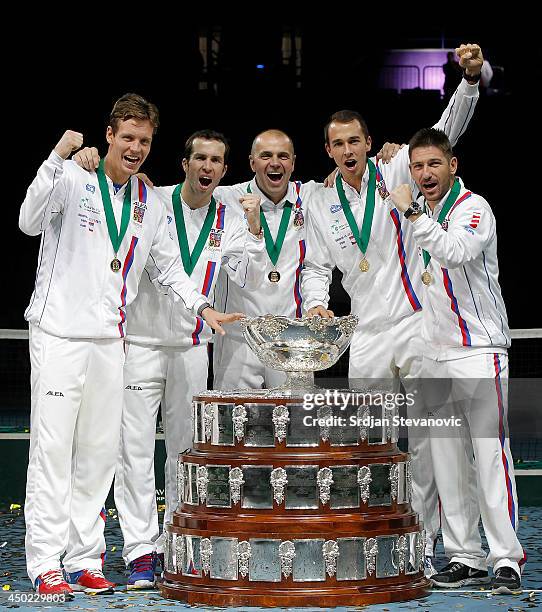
263 138
272 159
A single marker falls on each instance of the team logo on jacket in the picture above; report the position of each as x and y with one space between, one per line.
335 208
299 220
444 225
139 212
215 238
169 219
382 189
90 188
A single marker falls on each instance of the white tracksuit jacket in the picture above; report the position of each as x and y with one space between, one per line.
284 297
391 289
76 293
153 319
464 311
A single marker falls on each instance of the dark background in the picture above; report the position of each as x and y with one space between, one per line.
71 83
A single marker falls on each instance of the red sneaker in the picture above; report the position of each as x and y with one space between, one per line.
89 581
53 583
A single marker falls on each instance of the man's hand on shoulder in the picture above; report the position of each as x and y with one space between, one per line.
388 151
330 178
143 177
88 158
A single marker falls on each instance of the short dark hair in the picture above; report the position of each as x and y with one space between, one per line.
346 116
133 106
430 137
206 135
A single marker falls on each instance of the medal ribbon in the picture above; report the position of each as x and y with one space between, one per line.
450 201
115 236
362 239
191 259
274 248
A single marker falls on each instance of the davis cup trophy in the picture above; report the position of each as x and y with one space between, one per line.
287 502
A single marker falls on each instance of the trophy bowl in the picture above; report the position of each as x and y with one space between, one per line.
298 347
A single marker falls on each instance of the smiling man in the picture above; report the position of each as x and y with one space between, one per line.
284 205
166 352
355 227
98 232
465 338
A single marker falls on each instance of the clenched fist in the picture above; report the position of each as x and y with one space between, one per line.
70 141
470 58
251 205
402 197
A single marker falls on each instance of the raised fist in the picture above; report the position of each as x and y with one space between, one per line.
402 197
251 205
70 141
470 58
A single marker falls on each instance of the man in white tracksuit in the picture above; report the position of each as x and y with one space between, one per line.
284 205
466 337
354 227
166 352
98 231
284 208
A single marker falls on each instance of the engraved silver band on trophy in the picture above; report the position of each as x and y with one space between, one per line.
305 560
295 486
264 425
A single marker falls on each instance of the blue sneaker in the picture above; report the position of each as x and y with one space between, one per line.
142 572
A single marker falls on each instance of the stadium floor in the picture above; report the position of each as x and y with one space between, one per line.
13 579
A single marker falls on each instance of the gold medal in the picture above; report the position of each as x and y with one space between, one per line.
427 278
274 276
115 265
364 265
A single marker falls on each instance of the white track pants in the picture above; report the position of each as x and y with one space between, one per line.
387 357
236 366
475 460
154 375
76 390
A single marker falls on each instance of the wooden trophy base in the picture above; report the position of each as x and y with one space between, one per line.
285 598
275 511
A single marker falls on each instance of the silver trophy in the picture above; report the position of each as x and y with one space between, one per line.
292 486
298 347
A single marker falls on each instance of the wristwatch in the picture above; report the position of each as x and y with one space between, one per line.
415 208
203 307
